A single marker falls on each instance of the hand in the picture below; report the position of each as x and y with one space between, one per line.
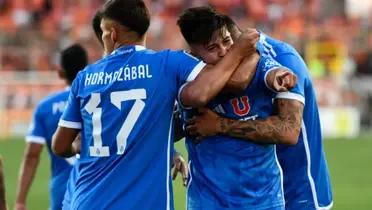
20 206
284 80
204 125
76 144
247 41
179 165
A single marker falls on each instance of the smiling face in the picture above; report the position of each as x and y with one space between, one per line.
216 48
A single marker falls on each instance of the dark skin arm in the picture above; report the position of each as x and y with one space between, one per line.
282 128
2 188
62 143
179 133
197 94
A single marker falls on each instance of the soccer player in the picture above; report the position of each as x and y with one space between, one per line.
179 165
42 128
226 173
123 105
2 187
294 122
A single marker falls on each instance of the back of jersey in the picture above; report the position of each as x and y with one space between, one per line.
123 104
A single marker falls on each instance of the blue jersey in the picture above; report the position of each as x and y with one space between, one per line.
42 128
70 188
66 204
228 173
123 105
306 179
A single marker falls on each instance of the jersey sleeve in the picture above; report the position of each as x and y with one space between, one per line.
37 132
71 117
186 68
266 64
297 66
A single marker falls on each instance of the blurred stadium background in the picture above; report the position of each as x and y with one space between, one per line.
334 37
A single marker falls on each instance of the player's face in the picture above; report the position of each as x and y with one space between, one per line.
216 49
107 35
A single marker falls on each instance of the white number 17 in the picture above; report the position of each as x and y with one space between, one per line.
116 98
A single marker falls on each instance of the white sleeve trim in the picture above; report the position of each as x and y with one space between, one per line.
289 95
265 77
272 69
194 73
35 139
179 97
69 124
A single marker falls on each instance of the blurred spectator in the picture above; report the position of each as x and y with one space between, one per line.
364 60
330 34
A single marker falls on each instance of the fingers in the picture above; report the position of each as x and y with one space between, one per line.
184 173
191 121
192 130
176 168
202 110
180 166
284 81
174 173
248 40
294 80
288 80
252 33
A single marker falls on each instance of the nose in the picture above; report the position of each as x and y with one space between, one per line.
223 50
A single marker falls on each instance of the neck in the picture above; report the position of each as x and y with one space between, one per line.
119 44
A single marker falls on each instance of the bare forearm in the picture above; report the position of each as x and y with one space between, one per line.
272 130
210 81
243 75
281 128
26 176
63 142
69 151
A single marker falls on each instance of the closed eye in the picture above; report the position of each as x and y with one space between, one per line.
211 47
227 40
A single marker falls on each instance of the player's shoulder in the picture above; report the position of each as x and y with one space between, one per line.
182 54
274 47
56 96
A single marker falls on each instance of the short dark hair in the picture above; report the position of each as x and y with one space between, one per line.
230 23
96 24
132 14
73 59
197 24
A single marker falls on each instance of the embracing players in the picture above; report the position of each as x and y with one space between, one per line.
223 165
123 107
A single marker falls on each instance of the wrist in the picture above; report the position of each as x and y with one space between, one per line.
222 126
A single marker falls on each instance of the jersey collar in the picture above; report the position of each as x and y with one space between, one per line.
128 49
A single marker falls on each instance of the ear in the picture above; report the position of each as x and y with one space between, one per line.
114 35
61 74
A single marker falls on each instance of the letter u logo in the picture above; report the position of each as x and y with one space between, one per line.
238 102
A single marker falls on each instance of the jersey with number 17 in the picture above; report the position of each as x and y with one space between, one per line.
123 105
